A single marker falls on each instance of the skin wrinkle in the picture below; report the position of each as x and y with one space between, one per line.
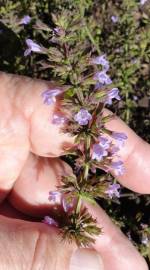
35 252
13 233
32 150
21 228
39 166
132 150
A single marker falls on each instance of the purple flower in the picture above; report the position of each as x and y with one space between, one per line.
101 60
25 20
83 117
50 221
118 167
32 47
135 98
55 197
142 2
67 204
49 96
58 31
98 85
113 93
98 152
120 138
113 191
114 19
104 142
58 119
134 60
102 77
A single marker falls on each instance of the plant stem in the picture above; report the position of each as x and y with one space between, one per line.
92 39
78 207
82 11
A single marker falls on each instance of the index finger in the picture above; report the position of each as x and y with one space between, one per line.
136 157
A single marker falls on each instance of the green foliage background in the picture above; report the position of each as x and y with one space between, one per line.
127 46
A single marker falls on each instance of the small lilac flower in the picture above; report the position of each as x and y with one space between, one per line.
135 98
102 77
142 2
25 20
98 152
114 19
83 117
113 93
49 96
98 85
113 191
58 31
58 119
101 60
32 47
134 60
67 205
120 138
118 167
50 221
55 197
104 142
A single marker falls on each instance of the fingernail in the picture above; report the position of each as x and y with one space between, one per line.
86 259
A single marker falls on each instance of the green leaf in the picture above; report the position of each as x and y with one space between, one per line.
70 92
100 94
86 196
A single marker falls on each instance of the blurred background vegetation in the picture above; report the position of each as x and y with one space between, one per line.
121 30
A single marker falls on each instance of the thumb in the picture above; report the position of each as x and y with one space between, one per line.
86 259
32 245
116 251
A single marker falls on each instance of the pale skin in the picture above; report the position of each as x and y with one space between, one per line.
30 146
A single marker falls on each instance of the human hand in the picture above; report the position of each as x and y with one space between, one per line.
30 167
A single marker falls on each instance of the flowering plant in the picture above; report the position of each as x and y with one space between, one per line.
89 89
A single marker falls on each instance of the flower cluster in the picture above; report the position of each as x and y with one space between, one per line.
96 147
102 150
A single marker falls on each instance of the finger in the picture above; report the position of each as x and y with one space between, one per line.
38 177
25 124
24 94
116 250
30 245
136 157
14 147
